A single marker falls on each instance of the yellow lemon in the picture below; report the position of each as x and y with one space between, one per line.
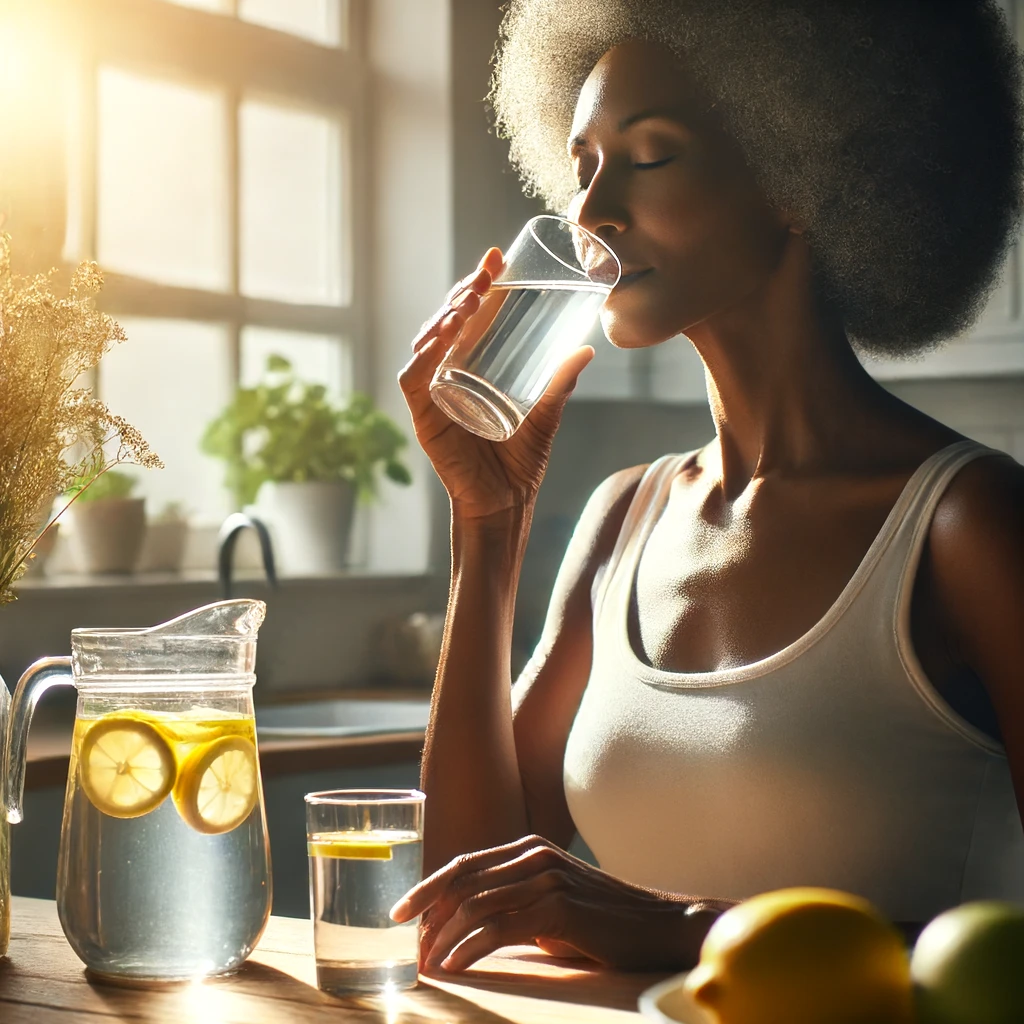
349 846
217 785
125 765
803 956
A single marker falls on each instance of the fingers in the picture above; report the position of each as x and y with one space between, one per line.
543 419
475 284
464 299
564 381
492 261
456 874
476 911
487 269
415 377
465 890
439 334
508 929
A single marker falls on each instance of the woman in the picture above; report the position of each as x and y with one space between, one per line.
793 656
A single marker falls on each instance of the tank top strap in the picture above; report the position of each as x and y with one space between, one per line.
884 580
924 491
647 502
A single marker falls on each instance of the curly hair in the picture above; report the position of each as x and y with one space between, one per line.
890 130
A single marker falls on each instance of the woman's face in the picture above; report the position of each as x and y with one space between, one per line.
670 195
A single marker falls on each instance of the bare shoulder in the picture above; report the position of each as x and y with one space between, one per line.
976 545
603 515
602 518
981 512
590 547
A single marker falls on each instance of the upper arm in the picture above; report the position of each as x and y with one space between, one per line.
548 691
977 552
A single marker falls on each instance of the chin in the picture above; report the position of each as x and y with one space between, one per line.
625 331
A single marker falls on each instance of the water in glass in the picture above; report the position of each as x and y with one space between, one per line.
490 385
355 879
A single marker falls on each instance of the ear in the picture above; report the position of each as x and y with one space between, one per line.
789 221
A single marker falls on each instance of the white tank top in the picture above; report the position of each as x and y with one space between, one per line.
833 762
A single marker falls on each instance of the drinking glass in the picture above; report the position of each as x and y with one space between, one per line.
540 308
365 853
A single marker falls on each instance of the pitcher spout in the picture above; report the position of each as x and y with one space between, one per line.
238 618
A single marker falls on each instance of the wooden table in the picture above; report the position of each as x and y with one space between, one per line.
42 982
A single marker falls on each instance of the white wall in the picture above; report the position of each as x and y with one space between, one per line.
412 229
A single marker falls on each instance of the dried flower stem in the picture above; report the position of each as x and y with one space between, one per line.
46 344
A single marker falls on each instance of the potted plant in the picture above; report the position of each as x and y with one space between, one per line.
43 547
107 523
304 461
163 548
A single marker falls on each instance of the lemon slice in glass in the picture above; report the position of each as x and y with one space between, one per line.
126 767
217 784
349 846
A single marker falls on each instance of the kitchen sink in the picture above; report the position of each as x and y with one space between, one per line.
340 717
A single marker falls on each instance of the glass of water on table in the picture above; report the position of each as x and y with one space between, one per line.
365 853
542 305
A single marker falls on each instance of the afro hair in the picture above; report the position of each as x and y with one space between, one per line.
890 130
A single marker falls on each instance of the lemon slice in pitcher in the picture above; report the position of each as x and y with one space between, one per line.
217 784
126 766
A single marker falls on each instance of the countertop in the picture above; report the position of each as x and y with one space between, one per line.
43 982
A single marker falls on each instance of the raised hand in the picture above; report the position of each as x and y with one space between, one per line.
482 477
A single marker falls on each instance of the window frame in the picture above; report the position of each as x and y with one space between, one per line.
158 38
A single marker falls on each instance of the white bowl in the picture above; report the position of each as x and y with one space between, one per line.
668 1003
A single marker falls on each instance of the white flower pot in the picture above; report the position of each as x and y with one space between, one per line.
43 549
107 533
164 546
310 524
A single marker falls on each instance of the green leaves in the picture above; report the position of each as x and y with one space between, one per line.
288 431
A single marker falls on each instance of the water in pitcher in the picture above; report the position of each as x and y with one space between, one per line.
355 879
504 372
5 880
164 867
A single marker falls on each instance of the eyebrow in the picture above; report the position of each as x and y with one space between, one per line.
668 113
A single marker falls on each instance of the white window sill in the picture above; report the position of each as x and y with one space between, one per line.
192 577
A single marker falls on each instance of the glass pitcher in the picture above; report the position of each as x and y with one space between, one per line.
164 866
5 865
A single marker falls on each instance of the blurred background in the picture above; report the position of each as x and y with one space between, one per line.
308 177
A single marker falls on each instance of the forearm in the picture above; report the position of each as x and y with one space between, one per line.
470 772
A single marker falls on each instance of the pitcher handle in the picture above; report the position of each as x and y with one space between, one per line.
37 679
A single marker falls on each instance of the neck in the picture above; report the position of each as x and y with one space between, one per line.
785 388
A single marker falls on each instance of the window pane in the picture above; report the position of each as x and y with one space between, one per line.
290 205
316 358
162 180
322 21
170 379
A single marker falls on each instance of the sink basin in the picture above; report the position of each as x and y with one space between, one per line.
341 717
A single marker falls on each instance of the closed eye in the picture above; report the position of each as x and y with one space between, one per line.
654 163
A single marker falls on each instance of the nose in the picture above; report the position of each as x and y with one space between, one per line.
600 208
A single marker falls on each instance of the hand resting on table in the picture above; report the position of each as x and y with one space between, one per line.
532 891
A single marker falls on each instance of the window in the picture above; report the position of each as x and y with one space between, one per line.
214 150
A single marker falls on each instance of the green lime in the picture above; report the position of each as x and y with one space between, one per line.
968 966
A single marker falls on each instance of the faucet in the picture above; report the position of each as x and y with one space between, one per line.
226 539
